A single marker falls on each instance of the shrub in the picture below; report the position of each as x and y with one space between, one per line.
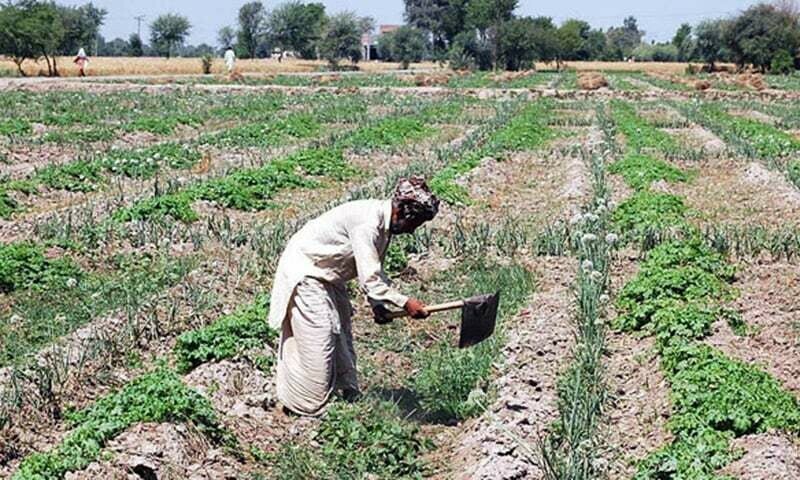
782 63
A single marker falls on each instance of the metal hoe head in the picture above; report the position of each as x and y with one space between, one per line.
478 318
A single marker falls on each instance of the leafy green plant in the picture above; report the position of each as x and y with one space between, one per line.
162 124
91 135
639 134
387 133
24 265
175 205
755 138
15 126
145 162
77 176
7 204
646 211
266 133
639 171
159 396
227 337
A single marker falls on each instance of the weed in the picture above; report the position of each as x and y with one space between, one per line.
230 335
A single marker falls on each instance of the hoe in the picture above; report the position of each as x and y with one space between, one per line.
478 317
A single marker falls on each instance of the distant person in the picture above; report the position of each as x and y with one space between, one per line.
230 59
82 61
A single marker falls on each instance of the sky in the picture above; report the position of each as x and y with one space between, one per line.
659 18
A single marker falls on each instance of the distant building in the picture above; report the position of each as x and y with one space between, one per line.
369 49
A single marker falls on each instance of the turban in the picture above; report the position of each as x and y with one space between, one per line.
413 198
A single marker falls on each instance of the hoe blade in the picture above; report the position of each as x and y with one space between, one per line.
478 318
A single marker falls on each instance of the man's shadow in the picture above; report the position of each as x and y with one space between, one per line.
408 403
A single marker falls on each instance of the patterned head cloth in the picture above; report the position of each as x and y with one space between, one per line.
413 198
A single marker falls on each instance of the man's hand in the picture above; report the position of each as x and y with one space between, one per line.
416 309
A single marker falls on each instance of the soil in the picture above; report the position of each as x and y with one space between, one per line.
500 444
753 194
768 456
769 301
698 138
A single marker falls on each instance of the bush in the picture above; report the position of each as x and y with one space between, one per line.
782 63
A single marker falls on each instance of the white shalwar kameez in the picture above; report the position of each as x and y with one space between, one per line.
230 60
310 306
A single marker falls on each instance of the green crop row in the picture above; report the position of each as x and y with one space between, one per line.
229 336
675 297
527 130
754 138
268 133
639 134
640 171
159 396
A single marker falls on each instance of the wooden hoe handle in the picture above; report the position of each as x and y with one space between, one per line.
442 307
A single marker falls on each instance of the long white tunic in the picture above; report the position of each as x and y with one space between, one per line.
230 59
346 242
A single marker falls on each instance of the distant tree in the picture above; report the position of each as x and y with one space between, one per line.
469 51
252 17
759 33
135 45
571 37
520 41
710 45
297 27
405 45
684 42
118 47
342 38
487 16
167 32
226 37
622 40
429 17
81 27
658 52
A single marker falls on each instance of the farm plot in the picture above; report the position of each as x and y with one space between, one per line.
645 251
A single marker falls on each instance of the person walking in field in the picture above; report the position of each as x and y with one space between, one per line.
230 59
82 61
310 305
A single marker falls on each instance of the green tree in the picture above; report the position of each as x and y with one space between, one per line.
571 37
81 27
20 32
487 16
520 42
252 18
683 42
135 45
622 40
226 37
342 38
759 33
295 26
710 46
405 45
468 51
167 32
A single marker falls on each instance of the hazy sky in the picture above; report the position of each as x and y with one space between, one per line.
659 18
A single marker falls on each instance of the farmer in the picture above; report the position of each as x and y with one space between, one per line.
310 305
230 59
82 61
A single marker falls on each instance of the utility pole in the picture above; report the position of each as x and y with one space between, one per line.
139 19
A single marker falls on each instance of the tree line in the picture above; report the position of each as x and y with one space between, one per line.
466 34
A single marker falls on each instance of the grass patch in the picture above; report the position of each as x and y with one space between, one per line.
159 396
229 336
639 171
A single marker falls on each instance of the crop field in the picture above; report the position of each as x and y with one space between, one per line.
644 238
